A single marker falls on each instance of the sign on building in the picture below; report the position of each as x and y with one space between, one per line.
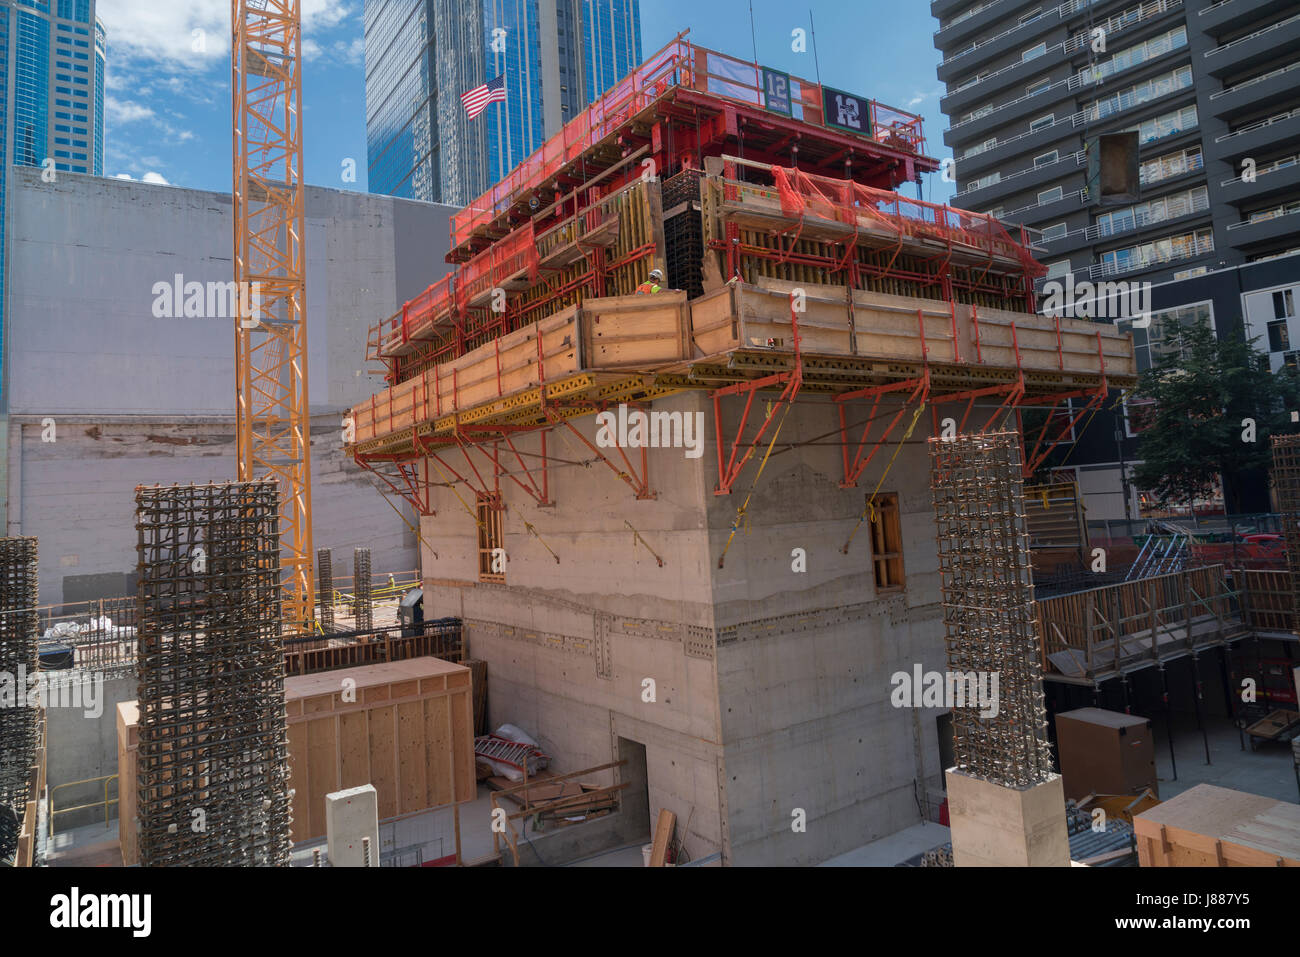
845 111
776 91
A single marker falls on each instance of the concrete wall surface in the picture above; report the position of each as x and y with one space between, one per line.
772 687
76 494
104 395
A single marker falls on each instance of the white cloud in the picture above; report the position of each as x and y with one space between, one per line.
193 33
920 96
125 111
150 177
338 51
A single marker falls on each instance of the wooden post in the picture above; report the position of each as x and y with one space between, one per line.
1087 633
1155 618
1116 620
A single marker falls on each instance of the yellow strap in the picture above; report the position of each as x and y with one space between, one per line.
452 485
870 510
742 513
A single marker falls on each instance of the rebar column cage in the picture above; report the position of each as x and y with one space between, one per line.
325 589
362 606
272 419
18 653
1286 481
213 756
990 622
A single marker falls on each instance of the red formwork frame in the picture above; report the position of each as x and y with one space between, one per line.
729 468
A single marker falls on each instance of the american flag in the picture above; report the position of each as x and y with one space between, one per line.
477 99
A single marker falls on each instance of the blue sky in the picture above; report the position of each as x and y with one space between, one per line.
167 111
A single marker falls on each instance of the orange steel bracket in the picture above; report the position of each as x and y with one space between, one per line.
729 468
853 470
638 481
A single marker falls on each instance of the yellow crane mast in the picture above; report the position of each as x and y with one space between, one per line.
272 419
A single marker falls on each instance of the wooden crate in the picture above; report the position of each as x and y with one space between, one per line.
1210 826
408 730
744 316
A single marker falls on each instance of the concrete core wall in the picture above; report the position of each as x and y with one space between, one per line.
805 657
76 494
571 645
104 394
771 686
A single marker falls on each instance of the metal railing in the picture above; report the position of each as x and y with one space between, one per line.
54 812
1254 36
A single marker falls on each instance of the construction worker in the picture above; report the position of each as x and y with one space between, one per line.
651 285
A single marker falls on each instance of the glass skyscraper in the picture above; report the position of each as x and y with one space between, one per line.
52 56
421 55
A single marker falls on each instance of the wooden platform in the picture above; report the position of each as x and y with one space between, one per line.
1210 826
636 348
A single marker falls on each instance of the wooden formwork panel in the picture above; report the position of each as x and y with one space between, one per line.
128 748
901 328
1210 826
618 332
506 366
635 331
407 727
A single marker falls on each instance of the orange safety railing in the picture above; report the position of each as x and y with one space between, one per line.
837 200
680 63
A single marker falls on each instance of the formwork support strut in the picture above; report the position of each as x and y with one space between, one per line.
729 468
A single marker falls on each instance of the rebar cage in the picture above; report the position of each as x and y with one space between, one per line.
988 603
213 754
18 624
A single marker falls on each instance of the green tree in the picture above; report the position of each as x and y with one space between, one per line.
1215 405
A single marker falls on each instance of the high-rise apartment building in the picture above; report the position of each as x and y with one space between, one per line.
1212 90
52 55
556 56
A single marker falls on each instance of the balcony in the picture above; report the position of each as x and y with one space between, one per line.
1273 88
1266 227
994 87
1254 49
1181 252
1275 179
971 24
1222 17
1277 131
1142 221
1034 177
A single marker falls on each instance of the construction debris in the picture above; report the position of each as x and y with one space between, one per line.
213 742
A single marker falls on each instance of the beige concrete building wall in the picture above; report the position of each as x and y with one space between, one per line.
805 658
772 686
